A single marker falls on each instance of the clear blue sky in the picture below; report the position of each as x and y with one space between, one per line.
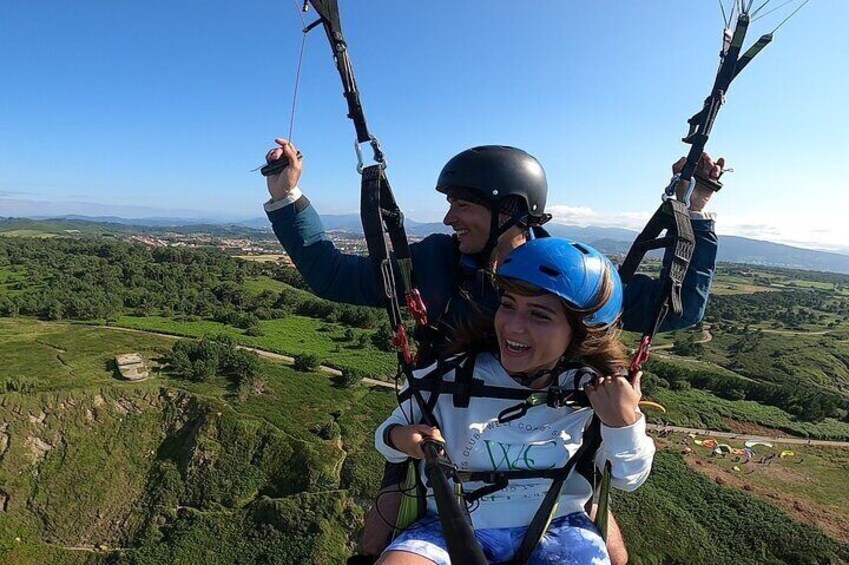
150 108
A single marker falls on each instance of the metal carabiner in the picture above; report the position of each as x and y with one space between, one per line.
379 157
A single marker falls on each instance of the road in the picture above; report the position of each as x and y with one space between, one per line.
743 437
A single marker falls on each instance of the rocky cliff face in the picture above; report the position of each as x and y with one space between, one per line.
157 471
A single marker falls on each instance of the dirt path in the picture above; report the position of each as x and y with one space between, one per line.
794 332
89 548
285 359
707 336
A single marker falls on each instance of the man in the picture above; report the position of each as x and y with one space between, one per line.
496 198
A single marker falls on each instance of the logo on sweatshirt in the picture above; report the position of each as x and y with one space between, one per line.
512 456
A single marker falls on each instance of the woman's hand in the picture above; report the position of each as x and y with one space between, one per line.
281 184
409 438
615 400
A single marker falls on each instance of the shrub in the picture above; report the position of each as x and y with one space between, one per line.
329 430
306 363
382 338
351 377
251 386
255 331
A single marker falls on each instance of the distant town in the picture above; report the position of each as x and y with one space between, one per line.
260 247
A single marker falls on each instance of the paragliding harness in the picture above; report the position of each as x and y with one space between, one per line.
464 387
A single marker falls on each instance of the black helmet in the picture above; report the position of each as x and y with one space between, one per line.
491 174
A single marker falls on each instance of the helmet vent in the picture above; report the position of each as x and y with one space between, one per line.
581 248
549 271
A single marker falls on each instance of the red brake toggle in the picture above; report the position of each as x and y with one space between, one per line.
417 306
642 355
400 341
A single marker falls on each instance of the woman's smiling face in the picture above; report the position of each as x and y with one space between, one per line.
533 332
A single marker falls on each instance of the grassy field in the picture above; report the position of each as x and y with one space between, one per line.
259 284
59 356
802 484
175 471
261 258
721 287
687 516
294 335
779 358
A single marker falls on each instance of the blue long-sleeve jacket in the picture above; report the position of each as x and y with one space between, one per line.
448 280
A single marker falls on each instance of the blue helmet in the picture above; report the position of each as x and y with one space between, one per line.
575 272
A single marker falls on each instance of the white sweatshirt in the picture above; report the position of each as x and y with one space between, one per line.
543 438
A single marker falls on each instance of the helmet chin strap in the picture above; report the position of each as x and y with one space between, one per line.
496 230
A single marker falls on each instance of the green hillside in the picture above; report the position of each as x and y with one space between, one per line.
204 469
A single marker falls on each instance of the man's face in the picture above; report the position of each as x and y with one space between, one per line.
470 222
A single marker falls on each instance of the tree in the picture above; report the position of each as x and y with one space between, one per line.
680 385
242 364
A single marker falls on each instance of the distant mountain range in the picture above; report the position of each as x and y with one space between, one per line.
613 241
617 241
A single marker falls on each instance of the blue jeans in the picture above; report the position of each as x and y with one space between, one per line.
572 539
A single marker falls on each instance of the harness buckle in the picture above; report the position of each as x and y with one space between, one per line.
559 397
512 413
519 410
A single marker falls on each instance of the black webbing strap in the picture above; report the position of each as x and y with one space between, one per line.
673 217
545 512
497 476
464 383
328 10
374 185
701 123
464 391
456 528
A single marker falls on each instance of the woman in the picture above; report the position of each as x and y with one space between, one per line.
560 304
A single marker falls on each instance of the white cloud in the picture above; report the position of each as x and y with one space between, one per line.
585 216
825 230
